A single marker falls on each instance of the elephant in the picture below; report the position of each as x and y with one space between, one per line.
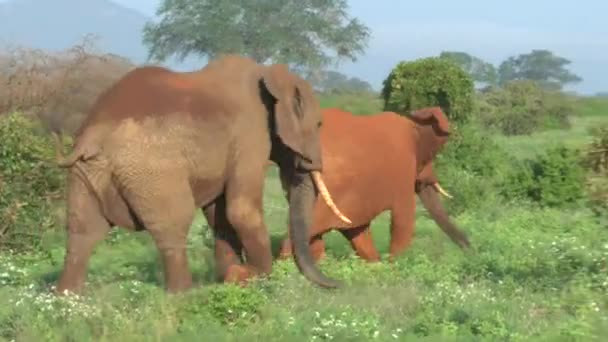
158 144
376 163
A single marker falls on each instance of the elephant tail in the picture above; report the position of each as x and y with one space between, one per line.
429 195
81 152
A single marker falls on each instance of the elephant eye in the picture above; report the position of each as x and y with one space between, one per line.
319 124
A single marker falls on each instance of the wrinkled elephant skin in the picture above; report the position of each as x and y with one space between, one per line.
158 145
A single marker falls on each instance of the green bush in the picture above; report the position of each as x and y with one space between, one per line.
523 107
28 182
429 82
473 167
358 104
596 165
480 172
554 179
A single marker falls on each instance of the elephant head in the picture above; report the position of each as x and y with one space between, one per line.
295 122
428 189
427 177
433 129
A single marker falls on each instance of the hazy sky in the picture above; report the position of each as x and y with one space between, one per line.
491 30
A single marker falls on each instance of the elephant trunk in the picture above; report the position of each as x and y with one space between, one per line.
302 196
430 200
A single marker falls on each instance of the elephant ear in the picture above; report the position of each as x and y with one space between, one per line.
281 84
436 115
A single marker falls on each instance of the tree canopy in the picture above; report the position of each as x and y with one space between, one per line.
479 70
428 82
331 80
542 66
311 33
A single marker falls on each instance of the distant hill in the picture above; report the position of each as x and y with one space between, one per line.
59 24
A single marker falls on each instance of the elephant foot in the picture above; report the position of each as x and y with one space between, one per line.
69 284
392 258
285 252
179 287
62 291
284 255
238 274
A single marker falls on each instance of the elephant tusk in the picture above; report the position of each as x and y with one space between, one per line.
316 176
441 191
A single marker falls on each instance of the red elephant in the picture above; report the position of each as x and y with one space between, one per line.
376 163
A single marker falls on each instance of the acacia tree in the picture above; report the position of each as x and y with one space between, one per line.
303 33
542 66
479 70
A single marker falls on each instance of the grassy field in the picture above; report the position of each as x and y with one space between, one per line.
535 275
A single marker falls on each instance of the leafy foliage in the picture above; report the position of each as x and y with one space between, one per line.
57 87
523 107
596 163
299 32
27 184
596 159
473 166
429 82
479 70
554 179
542 66
338 83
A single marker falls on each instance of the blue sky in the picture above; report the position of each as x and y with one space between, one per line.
491 30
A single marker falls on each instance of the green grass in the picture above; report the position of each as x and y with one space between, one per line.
578 136
534 275
592 106
591 112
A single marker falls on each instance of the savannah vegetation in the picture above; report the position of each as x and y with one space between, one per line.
527 165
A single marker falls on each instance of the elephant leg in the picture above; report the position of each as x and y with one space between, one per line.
317 247
228 248
286 251
320 226
86 227
403 216
361 240
168 215
244 212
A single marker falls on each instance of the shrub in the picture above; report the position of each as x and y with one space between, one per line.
523 107
554 179
429 82
60 87
27 184
473 167
596 164
596 156
480 172
232 304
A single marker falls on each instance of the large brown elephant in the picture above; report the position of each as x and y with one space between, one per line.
376 163
159 144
